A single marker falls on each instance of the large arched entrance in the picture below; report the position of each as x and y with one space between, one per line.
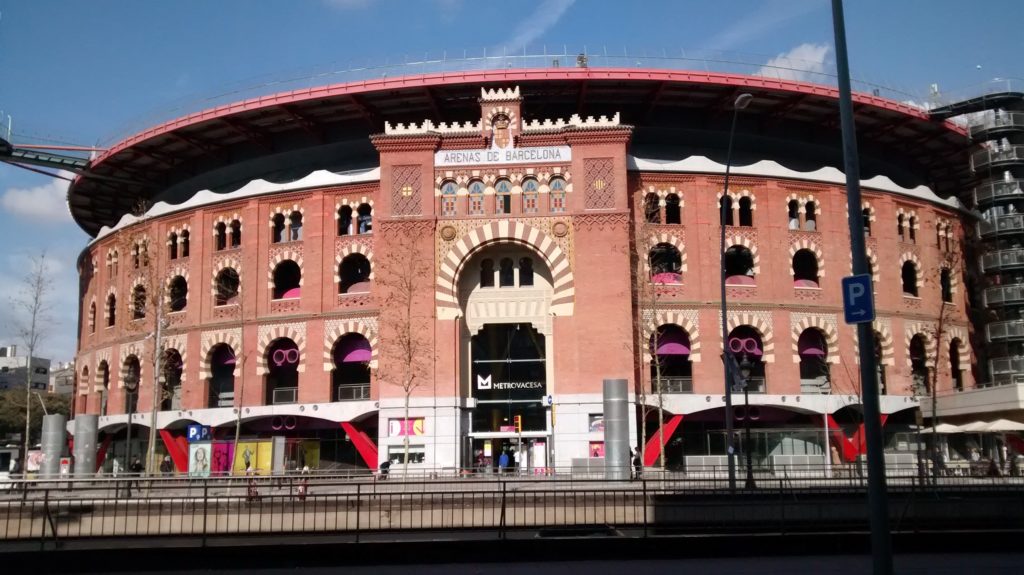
282 384
350 379
505 292
222 376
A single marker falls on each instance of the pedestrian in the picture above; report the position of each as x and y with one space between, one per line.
503 461
993 469
1015 465
252 492
938 462
385 466
136 469
518 458
304 484
638 464
166 467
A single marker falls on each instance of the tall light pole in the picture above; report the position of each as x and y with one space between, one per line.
741 102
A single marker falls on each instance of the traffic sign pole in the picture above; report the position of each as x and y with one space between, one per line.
878 504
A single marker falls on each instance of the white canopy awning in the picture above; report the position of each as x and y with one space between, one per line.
1005 425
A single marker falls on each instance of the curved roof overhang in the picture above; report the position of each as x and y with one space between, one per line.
289 134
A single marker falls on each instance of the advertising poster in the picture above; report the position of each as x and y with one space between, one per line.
400 427
255 454
311 454
199 457
220 464
596 449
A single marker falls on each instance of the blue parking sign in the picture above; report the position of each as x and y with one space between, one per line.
858 299
198 433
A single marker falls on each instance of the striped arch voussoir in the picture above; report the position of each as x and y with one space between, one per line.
805 244
888 355
347 250
281 257
127 350
925 330
965 352
220 337
505 231
761 327
678 319
750 245
332 336
223 265
827 329
275 333
671 239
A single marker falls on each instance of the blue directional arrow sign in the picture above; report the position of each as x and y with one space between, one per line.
858 301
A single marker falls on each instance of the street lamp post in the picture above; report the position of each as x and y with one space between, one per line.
745 374
741 102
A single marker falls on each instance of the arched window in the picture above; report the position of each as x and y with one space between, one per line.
909 275
354 273
652 209
506 273
746 212
172 368
530 190
739 266
946 283
919 365
673 215
277 234
287 280
282 384
222 376
449 198
132 370
557 187
745 345
295 227
805 269
810 217
954 365
725 209
236 233
671 370
177 293
364 219
666 264
136 257
351 375
184 243
476 198
227 287
103 371
793 214
111 310
814 370
487 273
92 317
879 366
503 196
899 226
525 271
866 215
172 246
912 229
220 232
344 220
139 302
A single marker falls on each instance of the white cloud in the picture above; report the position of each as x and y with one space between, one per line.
805 63
536 24
757 23
47 202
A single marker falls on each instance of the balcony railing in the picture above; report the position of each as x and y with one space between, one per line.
1006 366
222 399
285 395
993 190
353 392
1003 260
998 121
756 385
1008 224
1001 295
673 385
987 158
1005 330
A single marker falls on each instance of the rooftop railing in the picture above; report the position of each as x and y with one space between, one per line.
1011 223
998 120
983 159
998 190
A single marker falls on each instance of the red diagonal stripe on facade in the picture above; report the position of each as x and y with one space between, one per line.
653 449
364 445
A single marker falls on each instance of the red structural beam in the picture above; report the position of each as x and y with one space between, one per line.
177 448
364 445
653 448
101 453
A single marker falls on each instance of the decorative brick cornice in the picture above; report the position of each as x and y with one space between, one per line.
601 221
417 143
618 135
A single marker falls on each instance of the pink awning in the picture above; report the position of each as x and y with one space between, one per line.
805 283
353 350
673 342
667 278
292 293
811 343
741 280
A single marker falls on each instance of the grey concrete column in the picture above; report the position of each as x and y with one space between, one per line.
54 440
616 429
86 434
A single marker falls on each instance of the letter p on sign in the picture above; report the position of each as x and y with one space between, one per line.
858 299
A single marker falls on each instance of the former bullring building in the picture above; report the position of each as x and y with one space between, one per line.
495 244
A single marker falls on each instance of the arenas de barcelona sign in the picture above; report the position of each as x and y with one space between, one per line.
500 156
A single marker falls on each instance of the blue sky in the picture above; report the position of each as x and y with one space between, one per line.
77 72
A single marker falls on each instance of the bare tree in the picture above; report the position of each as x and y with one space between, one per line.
950 262
32 327
403 277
